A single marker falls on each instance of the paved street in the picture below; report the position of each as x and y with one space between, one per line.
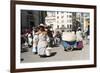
58 55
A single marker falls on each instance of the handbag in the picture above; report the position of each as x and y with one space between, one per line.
48 51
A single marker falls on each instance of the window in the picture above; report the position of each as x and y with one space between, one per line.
57 17
57 12
70 26
57 26
70 16
62 16
63 26
67 26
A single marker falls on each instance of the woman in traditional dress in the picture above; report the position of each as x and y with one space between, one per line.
42 43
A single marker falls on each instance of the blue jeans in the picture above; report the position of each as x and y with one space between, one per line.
69 44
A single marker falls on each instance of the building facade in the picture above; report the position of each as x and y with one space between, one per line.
62 20
67 20
86 21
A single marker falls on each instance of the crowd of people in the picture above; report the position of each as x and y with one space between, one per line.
43 38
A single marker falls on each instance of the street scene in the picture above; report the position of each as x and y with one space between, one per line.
54 36
59 55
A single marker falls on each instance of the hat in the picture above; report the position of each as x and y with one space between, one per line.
41 24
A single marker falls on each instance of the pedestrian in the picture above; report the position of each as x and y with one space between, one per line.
57 38
79 39
50 36
88 32
69 40
35 41
79 34
42 43
24 44
30 39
